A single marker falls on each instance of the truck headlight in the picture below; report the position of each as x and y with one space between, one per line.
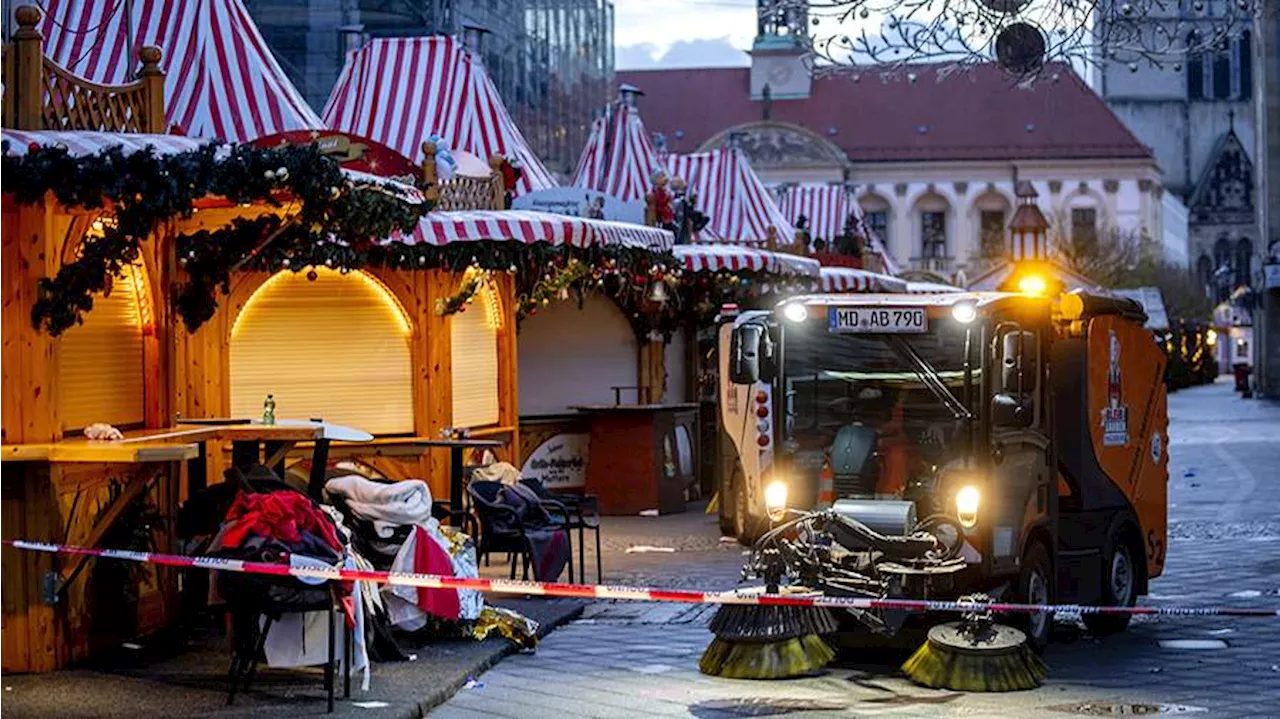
967 500
775 500
795 311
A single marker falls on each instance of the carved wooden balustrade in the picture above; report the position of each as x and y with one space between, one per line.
462 192
42 95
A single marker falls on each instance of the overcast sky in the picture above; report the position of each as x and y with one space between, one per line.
683 33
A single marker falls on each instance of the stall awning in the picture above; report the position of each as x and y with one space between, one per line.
826 209
403 91
441 228
848 279
221 80
83 144
618 159
738 207
711 258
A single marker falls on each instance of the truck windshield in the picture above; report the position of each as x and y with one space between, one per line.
889 406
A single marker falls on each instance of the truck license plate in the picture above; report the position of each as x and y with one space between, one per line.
902 320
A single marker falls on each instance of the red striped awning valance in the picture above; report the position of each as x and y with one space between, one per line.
442 228
712 258
402 91
848 279
84 144
221 80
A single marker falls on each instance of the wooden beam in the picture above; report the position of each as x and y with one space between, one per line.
132 490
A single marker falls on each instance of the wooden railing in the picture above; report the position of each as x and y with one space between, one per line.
42 95
462 192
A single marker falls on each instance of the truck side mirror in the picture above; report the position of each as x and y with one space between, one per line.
1009 411
1018 356
744 354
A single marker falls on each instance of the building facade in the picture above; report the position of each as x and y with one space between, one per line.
933 159
1198 115
1267 120
551 60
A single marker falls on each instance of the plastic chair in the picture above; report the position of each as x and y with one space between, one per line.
484 502
584 514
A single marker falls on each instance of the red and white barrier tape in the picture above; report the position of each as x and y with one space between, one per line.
584 591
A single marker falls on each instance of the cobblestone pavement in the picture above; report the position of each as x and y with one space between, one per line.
635 660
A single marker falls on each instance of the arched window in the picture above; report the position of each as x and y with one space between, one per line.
100 362
1223 274
474 350
1222 70
1204 271
1195 68
1242 80
1243 262
335 347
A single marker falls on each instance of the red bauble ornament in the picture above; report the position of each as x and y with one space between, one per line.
33 146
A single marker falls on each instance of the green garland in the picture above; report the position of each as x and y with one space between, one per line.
460 299
144 189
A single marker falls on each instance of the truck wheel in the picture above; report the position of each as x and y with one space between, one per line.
1035 586
1119 589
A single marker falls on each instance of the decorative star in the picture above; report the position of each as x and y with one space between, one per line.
315 134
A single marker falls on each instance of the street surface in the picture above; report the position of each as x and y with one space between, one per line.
630 659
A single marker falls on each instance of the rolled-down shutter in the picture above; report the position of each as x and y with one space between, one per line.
474 349
100 363
336 348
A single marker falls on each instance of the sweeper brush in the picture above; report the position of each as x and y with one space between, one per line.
768 642
976 656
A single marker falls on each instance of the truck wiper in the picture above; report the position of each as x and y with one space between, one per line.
929 376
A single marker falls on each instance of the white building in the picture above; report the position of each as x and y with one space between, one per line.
932 160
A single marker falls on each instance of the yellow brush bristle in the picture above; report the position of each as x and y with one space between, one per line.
766 660
941 667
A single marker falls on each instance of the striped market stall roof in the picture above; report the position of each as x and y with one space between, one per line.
826 207
221 80
712 258
738 207
441 228
402 91
619 159
848 279
83 144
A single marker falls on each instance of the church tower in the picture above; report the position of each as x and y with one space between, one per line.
778 62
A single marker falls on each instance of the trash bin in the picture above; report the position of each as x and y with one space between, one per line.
1241 371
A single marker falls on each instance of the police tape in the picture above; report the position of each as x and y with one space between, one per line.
605 591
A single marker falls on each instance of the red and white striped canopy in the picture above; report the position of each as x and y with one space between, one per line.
712 258
738 207
618 159
221 80
848 279
402 91
441 228
825 207
83 144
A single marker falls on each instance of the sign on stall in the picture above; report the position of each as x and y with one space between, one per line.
559 462
580 202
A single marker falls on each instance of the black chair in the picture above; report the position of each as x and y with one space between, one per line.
584 514
484 502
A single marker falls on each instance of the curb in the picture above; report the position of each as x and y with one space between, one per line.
446 692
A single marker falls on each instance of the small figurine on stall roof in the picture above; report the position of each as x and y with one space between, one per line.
658 211
269 410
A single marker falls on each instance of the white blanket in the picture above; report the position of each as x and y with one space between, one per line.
386 505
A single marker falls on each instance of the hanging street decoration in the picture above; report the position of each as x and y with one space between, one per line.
1029 40
471 284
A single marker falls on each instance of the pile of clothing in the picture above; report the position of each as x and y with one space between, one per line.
281 526
393 528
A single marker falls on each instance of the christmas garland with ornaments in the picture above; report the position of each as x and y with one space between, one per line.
328 222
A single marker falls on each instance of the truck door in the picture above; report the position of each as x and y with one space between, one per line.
1020 451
